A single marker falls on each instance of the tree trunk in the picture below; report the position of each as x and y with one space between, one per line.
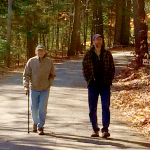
99 27
86 23
111 21
44 39
78 44
18 55
40 37
118 22
76 29
32 40
125 31
62 46
140 27
136 24
57 39
97 19
94 24
52 45
70 27
8 33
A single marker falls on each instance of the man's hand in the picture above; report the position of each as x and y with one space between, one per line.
27 91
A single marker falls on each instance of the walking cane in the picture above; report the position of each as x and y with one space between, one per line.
28 111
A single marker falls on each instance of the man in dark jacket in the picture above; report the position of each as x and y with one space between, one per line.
98 71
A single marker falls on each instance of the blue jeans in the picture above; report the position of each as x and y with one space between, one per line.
93 95
39 100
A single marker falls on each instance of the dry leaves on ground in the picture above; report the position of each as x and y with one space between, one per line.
131 95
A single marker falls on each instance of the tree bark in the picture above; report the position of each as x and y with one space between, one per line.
125 31
32 40
136 24
118 22
76 30
86 18
140 27
97 27
57 39
8 33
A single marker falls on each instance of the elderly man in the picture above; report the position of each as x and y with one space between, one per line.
98 71
39 73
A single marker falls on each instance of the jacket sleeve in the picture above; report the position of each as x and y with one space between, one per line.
27 75
111 67
87 68
52 75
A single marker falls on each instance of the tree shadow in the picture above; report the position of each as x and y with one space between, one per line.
98 140
10 145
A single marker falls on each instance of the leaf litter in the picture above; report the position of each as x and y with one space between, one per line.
131 95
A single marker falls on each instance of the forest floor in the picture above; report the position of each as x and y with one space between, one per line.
130 94
131 97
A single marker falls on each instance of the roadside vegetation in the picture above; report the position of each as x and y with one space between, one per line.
130 95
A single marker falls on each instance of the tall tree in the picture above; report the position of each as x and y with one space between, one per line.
140 27
125 28
76 30
8 33
85 22
111 22
32 35
97 27
119 9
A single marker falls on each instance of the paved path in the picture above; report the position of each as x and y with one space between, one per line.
67 125
122 59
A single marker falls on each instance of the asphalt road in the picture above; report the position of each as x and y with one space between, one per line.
67 124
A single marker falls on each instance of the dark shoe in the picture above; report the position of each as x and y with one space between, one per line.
34 127
41 132
95 134
105 134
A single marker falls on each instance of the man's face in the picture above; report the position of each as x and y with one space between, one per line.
98 42
40 53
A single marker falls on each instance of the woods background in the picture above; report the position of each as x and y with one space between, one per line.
65 27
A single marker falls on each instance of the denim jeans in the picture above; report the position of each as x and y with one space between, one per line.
39 100
93 95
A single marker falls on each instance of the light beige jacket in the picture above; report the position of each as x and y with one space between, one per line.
39 75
